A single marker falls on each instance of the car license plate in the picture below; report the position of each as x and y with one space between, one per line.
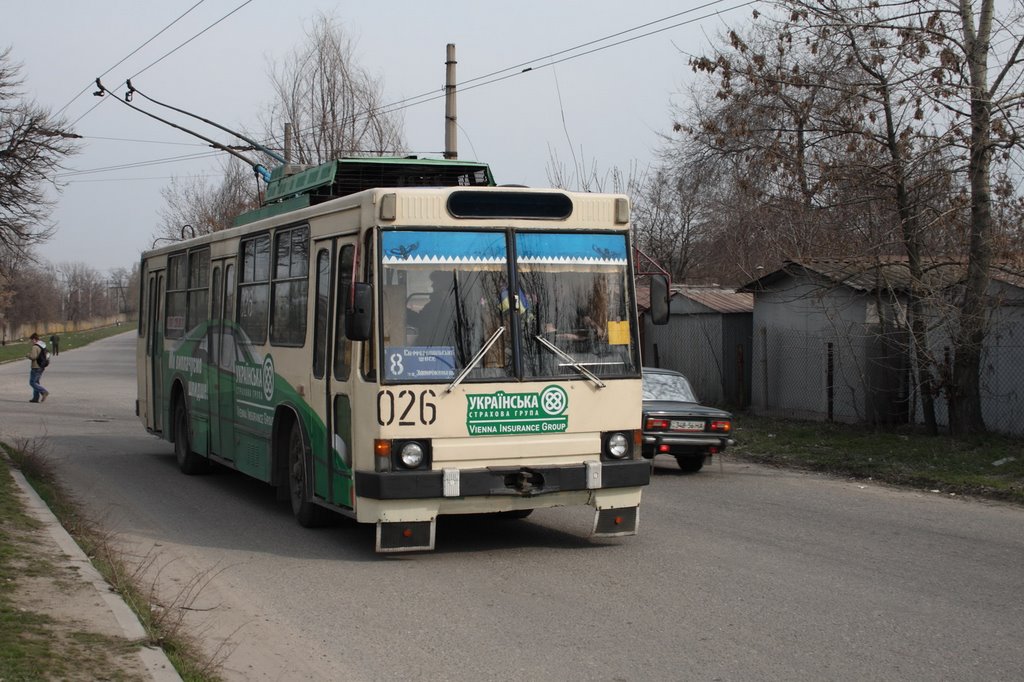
686 425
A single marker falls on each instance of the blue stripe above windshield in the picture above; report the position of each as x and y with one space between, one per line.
534 247
443 247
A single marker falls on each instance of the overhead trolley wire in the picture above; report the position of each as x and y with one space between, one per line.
495 77
126 58
165 56
471 83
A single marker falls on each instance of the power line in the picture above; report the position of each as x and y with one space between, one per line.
494 76
476 81
128 56
137 164
147 178
136 75
126 139
165 56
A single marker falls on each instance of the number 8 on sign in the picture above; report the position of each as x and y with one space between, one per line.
396 364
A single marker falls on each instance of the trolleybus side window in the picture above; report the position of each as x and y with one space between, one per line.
177 284
198 288
254 288
342 345
290 287
369 359
143 322
320 312
229 293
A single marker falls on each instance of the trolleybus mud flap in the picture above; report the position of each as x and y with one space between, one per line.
405 536
609 523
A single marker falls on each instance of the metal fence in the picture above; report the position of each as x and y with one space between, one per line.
865 377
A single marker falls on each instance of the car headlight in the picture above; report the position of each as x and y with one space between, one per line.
411 455
616 446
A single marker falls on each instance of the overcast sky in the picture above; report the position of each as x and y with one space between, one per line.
608 106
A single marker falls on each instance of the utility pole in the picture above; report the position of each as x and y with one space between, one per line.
287 143
450 132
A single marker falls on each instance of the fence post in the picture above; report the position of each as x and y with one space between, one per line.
764 368
829 382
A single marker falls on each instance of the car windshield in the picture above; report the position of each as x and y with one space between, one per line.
661 386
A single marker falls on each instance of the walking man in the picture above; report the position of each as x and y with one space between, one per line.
55 344
35 350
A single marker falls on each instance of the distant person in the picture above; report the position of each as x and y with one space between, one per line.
55 344
36 352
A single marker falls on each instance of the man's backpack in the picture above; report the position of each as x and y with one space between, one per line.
44 358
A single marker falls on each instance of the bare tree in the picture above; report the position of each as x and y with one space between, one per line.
870 126
84 292
35 296
335 107
667 220
192 201
33 143
123 283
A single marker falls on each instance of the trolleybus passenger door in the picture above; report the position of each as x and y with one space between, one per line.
330 380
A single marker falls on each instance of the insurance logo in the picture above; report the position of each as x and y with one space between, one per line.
501 413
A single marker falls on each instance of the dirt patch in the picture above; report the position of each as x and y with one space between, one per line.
53 623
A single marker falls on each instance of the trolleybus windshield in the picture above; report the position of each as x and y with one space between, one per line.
562 302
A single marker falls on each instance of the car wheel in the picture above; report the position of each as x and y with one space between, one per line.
189 462
690 464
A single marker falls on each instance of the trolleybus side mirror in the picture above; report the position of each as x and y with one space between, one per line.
359 313
659 299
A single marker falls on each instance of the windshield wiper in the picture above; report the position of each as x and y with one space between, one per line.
476 359
573 362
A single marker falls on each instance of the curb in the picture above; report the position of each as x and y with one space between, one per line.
154 660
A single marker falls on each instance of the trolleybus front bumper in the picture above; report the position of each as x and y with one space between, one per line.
405 504
501 480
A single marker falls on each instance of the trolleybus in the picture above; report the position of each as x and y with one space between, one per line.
397 339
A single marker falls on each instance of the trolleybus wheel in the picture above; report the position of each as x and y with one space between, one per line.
189 462
306 512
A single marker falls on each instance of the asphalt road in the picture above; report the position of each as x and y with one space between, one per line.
739 572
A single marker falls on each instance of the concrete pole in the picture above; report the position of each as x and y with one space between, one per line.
451 140
287 143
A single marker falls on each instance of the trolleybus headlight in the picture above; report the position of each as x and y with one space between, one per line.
411 455
617 445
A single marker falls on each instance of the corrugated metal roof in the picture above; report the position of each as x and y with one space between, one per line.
720 300
887 273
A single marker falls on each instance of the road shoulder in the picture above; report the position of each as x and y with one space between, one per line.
71 601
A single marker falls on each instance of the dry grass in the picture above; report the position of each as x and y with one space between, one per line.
135 579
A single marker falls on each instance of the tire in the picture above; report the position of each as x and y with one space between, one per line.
690 464
306 512
189 462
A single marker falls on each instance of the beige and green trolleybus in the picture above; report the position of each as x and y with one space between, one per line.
396 339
